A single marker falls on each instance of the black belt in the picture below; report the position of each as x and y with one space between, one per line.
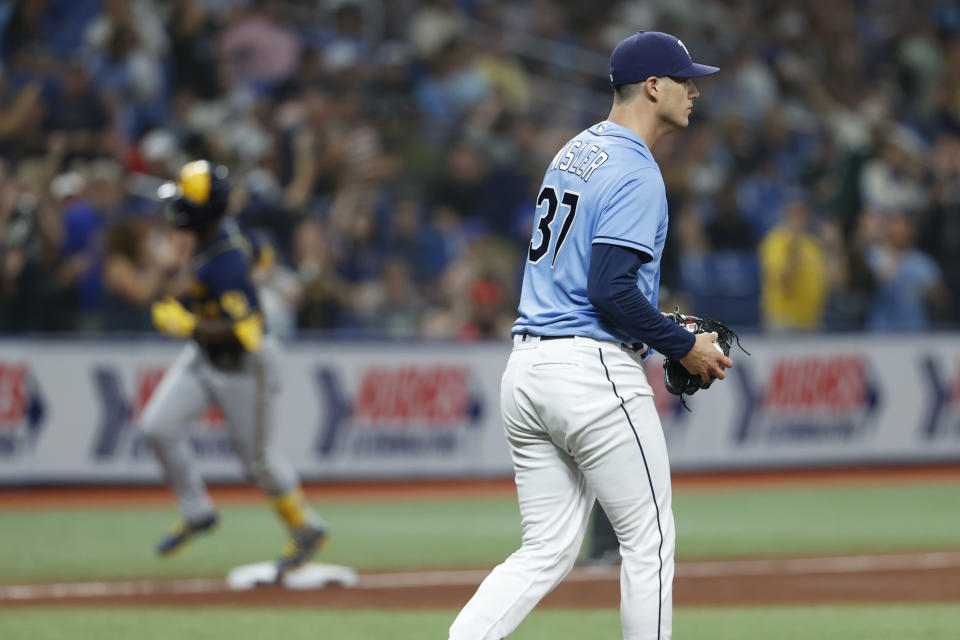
638 347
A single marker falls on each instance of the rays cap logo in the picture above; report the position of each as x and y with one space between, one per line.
652 53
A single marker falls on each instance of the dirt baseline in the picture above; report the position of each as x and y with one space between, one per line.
854 579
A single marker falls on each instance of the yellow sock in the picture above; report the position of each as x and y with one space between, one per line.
291 508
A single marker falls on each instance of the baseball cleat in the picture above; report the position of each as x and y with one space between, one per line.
301 547
177 539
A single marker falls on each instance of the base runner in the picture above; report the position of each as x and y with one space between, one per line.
229 361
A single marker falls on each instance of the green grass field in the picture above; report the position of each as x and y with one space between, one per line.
118 543
918 622
46 545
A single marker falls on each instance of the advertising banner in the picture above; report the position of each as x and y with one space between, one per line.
823 400
366 410
69 412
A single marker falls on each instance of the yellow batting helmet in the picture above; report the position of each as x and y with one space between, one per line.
198 198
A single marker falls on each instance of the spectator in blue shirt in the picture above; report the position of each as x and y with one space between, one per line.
909 282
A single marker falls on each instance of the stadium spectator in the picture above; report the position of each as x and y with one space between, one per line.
323 299
193 34
138 269
414 241
793 273
910 287
850 281
393 307
940 228
360 134
34 282
728 230
82 246
257 48
21 118
125 49
894 179
280 291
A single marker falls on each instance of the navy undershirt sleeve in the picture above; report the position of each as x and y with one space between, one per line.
612 289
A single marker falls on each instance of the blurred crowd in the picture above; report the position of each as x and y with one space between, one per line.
389 151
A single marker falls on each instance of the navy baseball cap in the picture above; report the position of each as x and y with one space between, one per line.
652 53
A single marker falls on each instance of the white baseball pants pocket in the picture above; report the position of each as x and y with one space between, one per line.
581 425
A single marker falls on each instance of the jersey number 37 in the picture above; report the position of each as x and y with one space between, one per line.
549 195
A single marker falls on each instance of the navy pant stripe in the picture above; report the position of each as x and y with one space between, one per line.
652 492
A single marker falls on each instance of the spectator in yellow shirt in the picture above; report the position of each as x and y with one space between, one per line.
793 274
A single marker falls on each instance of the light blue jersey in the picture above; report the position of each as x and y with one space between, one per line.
602 187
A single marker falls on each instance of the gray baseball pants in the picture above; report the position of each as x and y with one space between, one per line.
247 398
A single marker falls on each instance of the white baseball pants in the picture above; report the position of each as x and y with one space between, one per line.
581 425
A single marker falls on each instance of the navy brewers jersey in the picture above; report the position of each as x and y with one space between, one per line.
602 187
221 287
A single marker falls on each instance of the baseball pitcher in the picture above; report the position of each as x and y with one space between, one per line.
579 414
230 361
